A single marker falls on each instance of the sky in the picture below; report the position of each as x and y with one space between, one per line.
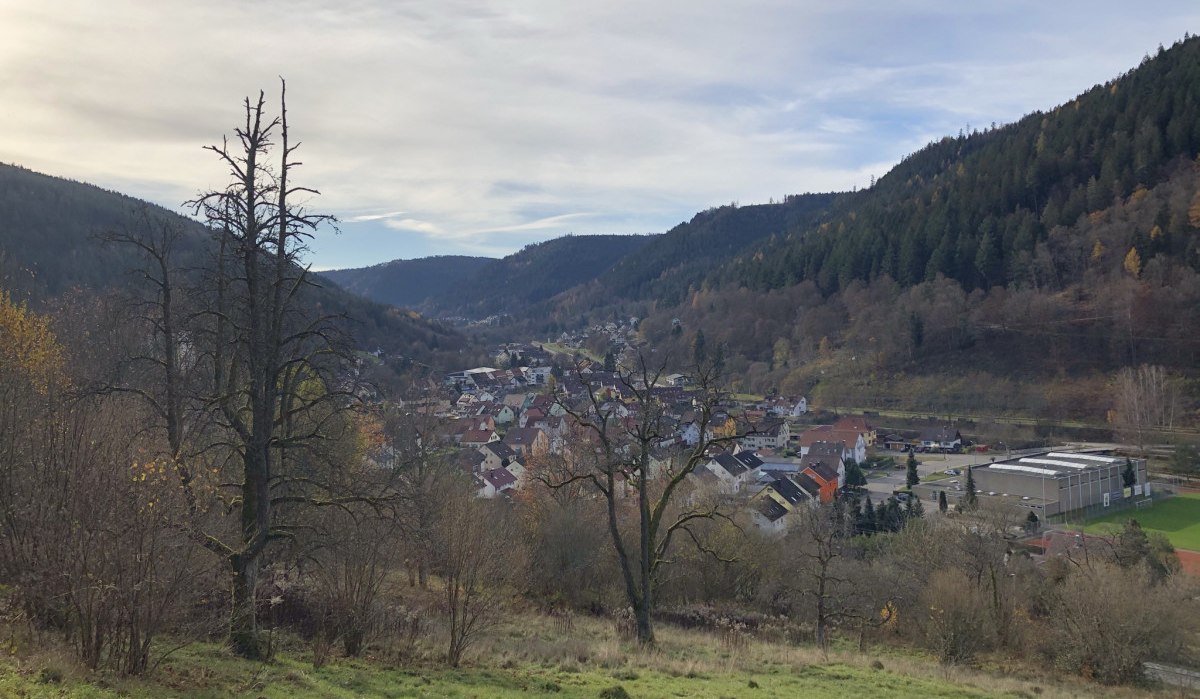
461 127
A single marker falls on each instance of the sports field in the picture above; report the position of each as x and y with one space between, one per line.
1178 518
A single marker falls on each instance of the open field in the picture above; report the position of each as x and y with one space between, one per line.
1178 518
556 348
532 657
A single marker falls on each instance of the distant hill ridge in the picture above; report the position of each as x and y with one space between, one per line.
50 244
478 287
408 283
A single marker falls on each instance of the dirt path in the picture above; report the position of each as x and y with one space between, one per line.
1190 561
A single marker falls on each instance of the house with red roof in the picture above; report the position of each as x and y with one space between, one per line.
825 475
858 424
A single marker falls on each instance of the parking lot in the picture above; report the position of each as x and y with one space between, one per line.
927 464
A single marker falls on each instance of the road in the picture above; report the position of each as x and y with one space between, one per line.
876 413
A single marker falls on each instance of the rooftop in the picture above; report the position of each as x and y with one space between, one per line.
1056 464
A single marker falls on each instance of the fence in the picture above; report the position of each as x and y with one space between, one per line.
1158 492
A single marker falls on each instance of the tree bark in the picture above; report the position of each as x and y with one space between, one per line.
645 623
244 637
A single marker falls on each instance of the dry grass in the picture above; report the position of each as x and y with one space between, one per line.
593 643
537 655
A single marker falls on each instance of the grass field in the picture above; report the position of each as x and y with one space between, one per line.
1178 518
533 658
938 476
208 673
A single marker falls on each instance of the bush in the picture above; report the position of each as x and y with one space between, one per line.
958 625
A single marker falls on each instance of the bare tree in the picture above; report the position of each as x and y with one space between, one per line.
1146 398
357 555
1108 620
419 474
477 559
272 361
616 461
162 315
820 539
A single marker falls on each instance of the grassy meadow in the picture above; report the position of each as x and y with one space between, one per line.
533 656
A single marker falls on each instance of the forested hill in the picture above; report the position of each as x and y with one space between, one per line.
536 273
49 228
686 254
976 207
408 283
1018 268
50 243
1035 259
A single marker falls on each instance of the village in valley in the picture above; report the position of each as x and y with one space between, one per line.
763 457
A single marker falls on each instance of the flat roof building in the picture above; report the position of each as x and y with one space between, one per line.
1053 483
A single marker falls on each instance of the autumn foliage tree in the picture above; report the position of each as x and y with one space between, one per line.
91 545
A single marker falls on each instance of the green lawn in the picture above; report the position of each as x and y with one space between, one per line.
937 476
1178 518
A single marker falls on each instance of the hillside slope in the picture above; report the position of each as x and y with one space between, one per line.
1011 270
49 228
974 208
408 283
686 254
536 273
50 243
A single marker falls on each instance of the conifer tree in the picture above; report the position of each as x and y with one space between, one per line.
866 518
854 475
970 500
912 477
893 519
942 504
913 509
1129 476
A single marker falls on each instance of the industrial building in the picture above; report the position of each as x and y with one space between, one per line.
1049 484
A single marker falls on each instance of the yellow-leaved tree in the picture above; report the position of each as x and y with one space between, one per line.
30 356
1133 263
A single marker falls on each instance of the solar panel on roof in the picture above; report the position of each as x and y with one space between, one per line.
1086 457
1052 462
1026 469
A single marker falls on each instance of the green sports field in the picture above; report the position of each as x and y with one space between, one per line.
1178 518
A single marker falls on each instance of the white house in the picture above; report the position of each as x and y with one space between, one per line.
768 435
494 482
945 437
734 470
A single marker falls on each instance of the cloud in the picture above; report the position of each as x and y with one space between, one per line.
362 218
414 225
550 222
471 126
